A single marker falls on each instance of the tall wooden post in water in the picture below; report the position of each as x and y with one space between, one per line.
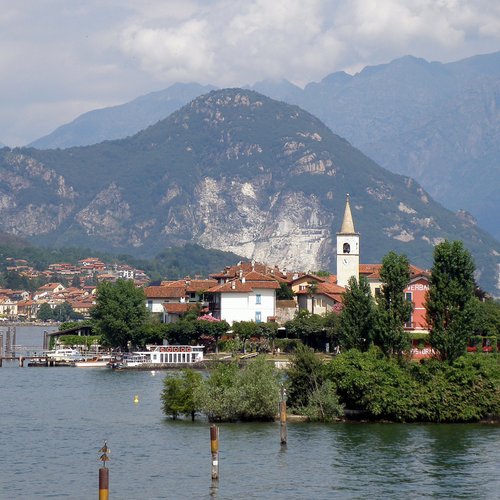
14 340
283 430
214 448
8 344
104 473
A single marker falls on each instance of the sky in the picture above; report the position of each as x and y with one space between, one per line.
61 58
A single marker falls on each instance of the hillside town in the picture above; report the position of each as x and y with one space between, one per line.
75 285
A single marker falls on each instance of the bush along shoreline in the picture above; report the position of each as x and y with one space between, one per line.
352 386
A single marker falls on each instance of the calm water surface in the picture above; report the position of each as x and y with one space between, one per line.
54 420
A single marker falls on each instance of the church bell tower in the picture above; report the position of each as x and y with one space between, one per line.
347 249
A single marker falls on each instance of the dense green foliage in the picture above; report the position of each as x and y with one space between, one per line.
393 310
284 292
179 394
68 325
186 260
119 313
383 388
488 320
80 340
228 394
61 312
357 316
313 330
309 392
451 305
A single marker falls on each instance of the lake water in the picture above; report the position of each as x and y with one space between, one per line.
53 421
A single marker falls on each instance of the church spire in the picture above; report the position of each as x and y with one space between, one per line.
347 223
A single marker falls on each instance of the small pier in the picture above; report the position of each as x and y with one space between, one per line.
24 355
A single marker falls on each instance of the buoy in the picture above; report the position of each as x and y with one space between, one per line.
136 399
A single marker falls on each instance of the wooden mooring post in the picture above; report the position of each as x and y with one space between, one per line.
8 344
104 473
283 429
214 448
1 349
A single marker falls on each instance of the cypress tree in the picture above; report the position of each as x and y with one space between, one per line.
451 306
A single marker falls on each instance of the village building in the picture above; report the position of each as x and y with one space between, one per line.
172 299
249 297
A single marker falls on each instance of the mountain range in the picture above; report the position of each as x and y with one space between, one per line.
236 171
438 123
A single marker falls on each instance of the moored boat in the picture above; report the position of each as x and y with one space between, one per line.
95 362
66 355
161 356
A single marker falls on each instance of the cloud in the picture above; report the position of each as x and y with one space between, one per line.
241 41
59 59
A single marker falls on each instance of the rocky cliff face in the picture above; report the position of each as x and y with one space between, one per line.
234 171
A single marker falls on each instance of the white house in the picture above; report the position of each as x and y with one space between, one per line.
251 297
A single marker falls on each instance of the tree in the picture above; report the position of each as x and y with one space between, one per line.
245 330
305 376
393 310
357 316
451 306
65 312
211 328
310 328
259 389
179 394
45 312
284 292
119 313
251 393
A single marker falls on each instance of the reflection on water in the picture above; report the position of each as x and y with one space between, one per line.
54 420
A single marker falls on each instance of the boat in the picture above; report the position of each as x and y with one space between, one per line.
177 354
95 362
65 355
133 360
161 356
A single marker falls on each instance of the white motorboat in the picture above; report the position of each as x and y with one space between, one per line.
66 355
96 362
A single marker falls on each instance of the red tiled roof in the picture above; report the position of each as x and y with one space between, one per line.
308 277
200 285
237 286
163 292
177 307
373 271
331 290
256 276
246 267
234 286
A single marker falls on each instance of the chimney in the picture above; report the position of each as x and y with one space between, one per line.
243 279
233 285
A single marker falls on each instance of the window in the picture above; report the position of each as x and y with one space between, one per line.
150 305
258 299
258 317
409 323
346 248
